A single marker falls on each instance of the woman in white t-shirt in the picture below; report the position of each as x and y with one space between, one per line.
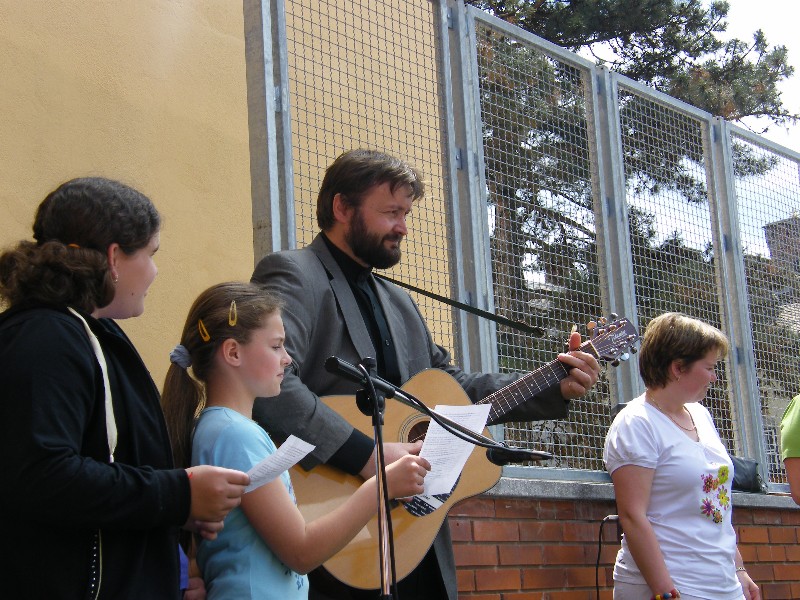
672 475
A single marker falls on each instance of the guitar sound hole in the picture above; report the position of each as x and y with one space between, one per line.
418 431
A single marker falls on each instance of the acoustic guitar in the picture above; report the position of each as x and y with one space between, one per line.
416 523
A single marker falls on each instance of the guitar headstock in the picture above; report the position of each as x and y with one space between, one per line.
611 341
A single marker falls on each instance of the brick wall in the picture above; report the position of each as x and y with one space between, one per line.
509 548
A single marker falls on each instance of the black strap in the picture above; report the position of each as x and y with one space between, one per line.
537 331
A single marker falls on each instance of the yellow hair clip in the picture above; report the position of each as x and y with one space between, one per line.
201 328
233 316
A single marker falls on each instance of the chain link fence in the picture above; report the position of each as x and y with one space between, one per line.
593 193
767 185
366 75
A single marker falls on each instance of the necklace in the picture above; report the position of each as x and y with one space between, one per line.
661 410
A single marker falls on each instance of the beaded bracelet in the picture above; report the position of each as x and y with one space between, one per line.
670 594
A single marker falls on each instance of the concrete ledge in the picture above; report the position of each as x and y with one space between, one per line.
517 487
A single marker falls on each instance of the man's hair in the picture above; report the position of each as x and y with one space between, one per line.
357 171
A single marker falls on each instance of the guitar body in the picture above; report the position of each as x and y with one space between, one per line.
319 491
323 488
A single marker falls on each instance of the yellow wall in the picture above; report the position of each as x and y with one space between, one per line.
151 92
364 74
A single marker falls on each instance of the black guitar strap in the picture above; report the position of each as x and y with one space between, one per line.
537 331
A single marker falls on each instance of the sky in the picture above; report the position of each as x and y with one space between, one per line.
778 19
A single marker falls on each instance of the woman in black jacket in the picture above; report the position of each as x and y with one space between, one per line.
91 499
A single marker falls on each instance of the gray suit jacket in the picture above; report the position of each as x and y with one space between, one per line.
322 319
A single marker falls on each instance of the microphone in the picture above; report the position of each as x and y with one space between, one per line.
337 366
503 455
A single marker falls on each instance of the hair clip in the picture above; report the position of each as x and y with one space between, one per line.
201 328
73 246
233 316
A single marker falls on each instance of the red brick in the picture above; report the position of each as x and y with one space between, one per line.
523 596
571 595
548 565
495 531
578 577
791 517
475 555
786 572
544 531
497 579
513 508
761 572
544 579
460 530
608 554
556 510
753 535
772 553
792 552
782 535
749 552
520 554
564 555
767 517
594 511
465 579
584 532
478 506
777 591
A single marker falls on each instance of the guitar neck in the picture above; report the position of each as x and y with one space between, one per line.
523 389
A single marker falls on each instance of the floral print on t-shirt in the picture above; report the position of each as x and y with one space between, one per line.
713 504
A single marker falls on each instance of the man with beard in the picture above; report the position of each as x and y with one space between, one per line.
336 307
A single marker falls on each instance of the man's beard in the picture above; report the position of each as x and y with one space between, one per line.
369 247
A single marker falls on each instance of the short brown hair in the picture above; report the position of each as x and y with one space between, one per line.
355 172
675 336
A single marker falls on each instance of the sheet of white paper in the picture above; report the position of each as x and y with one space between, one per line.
291 452
447 453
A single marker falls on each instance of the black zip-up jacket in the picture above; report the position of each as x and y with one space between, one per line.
59 486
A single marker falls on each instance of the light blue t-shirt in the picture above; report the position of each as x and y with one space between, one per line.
238 564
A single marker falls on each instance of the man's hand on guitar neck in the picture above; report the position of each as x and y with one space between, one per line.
392 451
584 369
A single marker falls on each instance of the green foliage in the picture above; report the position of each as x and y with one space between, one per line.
538 151
672 45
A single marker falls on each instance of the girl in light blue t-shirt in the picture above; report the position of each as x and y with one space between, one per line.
233 344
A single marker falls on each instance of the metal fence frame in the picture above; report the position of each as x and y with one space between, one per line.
475 340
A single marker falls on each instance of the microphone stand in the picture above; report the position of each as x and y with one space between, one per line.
497 452
372 402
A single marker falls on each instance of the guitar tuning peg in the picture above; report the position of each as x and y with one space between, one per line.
624 356
591 327
615 363
602 320
614 316
634 349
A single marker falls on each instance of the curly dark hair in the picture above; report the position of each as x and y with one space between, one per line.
73 228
